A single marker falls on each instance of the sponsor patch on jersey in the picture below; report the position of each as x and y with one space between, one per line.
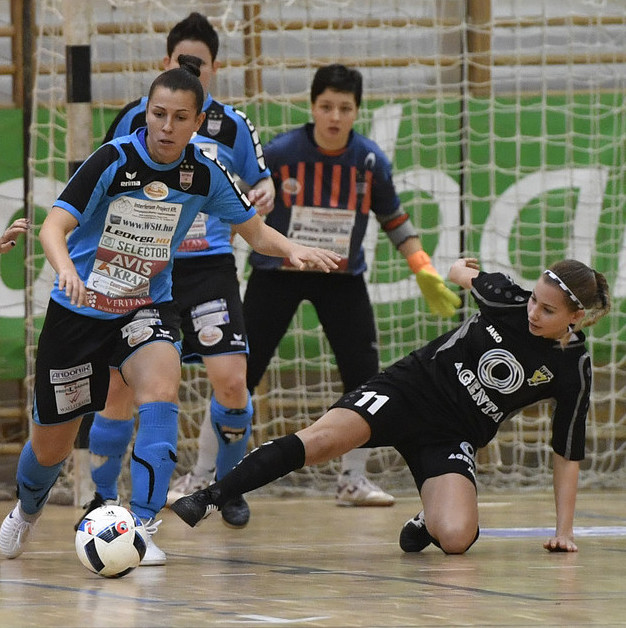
541 376
291 186
156 190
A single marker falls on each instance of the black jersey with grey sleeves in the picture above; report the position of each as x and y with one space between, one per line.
491 367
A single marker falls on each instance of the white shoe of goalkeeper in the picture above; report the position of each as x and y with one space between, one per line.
154 554
356 490
185 485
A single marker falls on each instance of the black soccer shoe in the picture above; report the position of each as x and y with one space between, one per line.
414 536
96 502
236 512
195 507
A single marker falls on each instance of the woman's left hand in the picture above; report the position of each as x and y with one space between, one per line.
560 544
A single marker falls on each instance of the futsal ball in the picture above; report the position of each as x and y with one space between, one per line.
111 541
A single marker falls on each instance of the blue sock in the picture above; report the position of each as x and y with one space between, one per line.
233 428
34 481
108 441
154 457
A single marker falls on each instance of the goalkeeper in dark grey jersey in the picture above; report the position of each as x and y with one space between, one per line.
441 403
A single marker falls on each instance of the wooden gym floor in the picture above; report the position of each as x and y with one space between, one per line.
305 562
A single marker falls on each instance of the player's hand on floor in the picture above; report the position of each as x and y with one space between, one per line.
560 544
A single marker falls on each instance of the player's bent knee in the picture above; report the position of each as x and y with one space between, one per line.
454 535
231 387
458 540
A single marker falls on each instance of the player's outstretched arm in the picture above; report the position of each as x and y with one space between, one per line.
268 241
565 479
8 238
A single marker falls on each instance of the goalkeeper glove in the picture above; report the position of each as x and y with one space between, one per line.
440 299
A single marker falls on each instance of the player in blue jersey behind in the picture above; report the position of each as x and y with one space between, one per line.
328 179
111 236
206 288
441 403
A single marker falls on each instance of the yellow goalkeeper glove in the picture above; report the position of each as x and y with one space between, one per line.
440 299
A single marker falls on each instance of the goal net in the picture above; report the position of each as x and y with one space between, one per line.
505 126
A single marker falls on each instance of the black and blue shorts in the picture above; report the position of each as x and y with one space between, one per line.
75 353
206 291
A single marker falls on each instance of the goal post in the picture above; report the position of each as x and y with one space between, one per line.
505 130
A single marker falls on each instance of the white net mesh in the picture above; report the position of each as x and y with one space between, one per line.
505 127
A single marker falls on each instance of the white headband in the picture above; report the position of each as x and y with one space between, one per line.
564 287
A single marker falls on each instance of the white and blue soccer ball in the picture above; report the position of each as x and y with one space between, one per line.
111 541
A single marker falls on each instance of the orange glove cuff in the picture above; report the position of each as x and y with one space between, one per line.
418 260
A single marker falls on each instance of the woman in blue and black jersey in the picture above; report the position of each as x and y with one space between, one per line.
111 236
206 289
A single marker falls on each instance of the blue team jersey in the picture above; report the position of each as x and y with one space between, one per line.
133 214
226 134
324 199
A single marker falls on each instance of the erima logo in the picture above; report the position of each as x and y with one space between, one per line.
131 183
541 376
238 340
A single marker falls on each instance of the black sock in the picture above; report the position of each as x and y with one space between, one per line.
261 466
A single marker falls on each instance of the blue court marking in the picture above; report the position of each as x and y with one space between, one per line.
533 532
